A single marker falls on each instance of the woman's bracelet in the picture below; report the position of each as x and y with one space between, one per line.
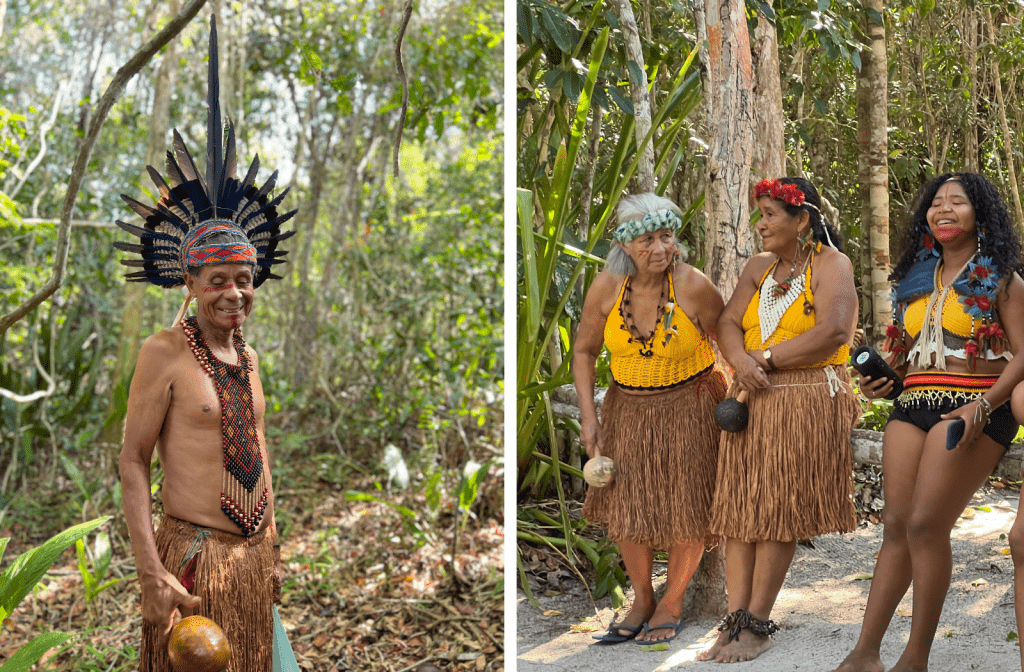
983 412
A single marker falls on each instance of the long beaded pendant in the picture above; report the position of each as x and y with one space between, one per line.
243 497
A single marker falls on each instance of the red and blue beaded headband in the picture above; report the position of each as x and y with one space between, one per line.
194 253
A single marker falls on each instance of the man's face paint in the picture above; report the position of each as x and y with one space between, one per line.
224 295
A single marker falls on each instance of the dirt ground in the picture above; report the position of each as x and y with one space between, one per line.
819 610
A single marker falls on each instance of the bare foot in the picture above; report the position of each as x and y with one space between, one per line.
909 666
747 647
710 653
861 661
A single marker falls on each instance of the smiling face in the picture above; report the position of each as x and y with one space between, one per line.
223 294
779 230
653 252
951 214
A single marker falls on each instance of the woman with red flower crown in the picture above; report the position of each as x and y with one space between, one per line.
958 314
786 332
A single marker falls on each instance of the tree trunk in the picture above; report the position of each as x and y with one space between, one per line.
131 316
972 160
1007 140
638 92
722 26
873 168
729 239
769 152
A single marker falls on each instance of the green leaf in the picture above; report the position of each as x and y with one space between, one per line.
863 577
469 487
29 655
353 496
660 646
83 569
624 102
823 5
557 28
875 16
27 569
74 473
1011 636
433 493
636 73
572 85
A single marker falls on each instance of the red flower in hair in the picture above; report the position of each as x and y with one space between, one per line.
787 193
980 273
928 241
894 332
791 194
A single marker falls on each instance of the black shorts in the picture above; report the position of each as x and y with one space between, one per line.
928 395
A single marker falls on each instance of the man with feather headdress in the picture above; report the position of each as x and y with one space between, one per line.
196 397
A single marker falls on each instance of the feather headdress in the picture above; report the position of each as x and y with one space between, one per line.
191 206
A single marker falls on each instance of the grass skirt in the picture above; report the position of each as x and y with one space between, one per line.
234 576
665 449
789 474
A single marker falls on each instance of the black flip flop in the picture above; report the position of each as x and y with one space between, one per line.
677 627
613 636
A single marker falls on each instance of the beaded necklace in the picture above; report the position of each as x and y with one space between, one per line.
243 497
626 310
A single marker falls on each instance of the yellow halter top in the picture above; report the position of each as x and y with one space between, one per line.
954 319
792 323
656 364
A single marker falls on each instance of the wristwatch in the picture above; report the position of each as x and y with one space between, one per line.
768 358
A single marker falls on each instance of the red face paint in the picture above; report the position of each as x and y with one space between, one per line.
221 288
944 234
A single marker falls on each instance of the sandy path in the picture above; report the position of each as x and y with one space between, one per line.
819 610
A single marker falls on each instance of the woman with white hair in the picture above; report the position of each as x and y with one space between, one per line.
657 316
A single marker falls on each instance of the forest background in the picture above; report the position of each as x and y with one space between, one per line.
866 99
381 349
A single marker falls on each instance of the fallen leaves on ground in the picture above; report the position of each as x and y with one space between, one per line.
363 591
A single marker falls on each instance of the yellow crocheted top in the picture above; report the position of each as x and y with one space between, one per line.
954 319
792 323
655 364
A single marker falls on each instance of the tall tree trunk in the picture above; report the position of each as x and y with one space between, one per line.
729 239
1007 139
972 160
638 92
131 316
722 26
873 167
769 152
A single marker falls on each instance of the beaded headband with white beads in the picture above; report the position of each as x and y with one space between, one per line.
652 221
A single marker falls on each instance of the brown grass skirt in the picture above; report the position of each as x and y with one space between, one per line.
665 449
234 576
789 475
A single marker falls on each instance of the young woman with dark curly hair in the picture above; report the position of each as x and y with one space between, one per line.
958 316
